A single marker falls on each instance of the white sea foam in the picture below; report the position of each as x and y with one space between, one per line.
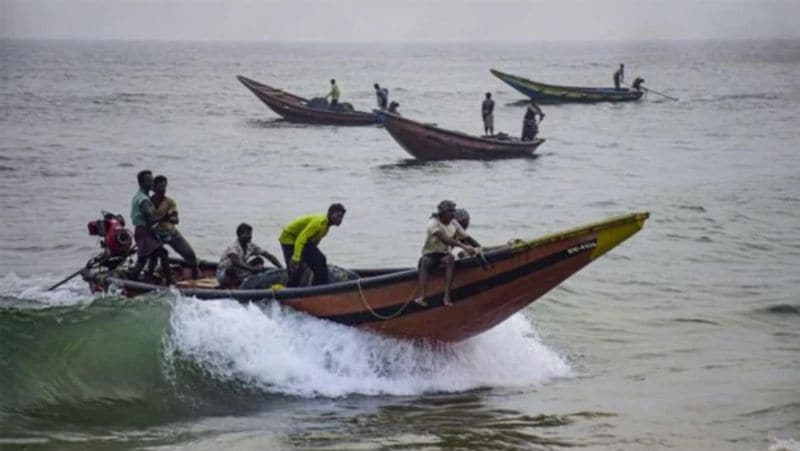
784 445
33 291
280 350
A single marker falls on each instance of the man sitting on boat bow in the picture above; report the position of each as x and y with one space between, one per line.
443 235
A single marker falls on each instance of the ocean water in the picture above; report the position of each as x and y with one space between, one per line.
685 337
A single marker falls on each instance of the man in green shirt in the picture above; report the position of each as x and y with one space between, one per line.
143 217
299 241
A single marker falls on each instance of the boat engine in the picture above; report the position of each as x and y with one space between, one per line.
114 237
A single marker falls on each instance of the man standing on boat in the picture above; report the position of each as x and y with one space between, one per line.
238 261
300 240
530 128
144 217
487 110
443 235
619 76
166 230
382 95
334 94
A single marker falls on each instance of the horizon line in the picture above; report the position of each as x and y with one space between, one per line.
422 41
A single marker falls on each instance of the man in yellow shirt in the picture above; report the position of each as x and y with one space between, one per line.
166 229
299 241
334 94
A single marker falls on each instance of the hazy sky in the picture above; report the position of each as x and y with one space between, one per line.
400 20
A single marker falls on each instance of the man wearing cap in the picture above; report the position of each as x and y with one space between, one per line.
299 241
443 235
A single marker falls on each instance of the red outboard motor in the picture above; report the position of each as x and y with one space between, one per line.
116 239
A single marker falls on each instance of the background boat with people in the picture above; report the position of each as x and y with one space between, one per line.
298 109
548 93
429 142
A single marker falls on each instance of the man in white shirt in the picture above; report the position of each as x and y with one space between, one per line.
443 235
236 262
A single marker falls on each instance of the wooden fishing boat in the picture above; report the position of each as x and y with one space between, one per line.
296 109
544 93
485 290
428 142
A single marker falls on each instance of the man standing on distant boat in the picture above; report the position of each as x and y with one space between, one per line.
487 110
443 235
240 259
143 217
382 95
166 231
334 94
619 76
530 128
300 240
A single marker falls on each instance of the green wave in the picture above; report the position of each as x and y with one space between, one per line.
109 362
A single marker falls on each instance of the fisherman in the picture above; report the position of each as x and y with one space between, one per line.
487 111
382 95
443 235
300 240
241 259
144 217
165 229
637 84
334 94
393 108
619 76
530 128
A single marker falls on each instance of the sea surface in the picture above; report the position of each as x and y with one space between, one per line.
685 337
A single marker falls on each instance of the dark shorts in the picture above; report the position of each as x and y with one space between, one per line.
146 241
435 260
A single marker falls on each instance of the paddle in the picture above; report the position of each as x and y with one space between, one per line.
663 95
655 92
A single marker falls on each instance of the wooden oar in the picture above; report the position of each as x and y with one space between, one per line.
654 92
663 95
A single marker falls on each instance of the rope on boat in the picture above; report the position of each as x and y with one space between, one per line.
378 315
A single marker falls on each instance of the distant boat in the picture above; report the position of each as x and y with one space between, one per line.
296 109
485 292
428 142
544 93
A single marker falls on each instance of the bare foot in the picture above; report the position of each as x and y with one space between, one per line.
447 302
420 301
